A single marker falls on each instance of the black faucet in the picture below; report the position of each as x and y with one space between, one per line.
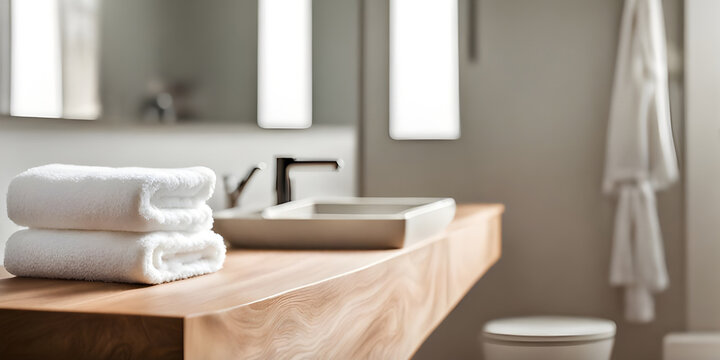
283 189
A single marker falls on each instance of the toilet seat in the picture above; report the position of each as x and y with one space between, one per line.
549 329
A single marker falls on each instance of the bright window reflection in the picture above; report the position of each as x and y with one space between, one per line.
36 80
424 90
285 63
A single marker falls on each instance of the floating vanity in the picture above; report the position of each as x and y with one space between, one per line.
337 304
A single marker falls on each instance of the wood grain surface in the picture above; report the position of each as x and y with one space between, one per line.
263 304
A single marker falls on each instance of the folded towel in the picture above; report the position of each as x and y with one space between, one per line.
149 258
123 199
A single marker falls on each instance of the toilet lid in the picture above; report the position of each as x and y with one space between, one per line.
549 329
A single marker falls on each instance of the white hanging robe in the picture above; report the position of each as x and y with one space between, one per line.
640 158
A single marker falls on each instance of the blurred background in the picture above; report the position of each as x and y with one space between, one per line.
525 104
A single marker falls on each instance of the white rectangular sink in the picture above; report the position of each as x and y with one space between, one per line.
338 223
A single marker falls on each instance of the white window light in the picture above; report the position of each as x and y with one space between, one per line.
36 77
424 74
285 63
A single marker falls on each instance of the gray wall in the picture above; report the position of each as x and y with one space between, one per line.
702 84
534 111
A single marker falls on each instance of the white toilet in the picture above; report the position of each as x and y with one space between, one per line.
548 338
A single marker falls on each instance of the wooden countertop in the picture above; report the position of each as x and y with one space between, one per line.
262 304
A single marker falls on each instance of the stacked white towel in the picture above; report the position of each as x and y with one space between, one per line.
134 225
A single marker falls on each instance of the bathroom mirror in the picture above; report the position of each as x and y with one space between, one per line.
178 61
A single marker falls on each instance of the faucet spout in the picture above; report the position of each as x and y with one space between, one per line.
283 188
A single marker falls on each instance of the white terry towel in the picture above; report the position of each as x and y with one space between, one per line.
149 258
640 157
100 198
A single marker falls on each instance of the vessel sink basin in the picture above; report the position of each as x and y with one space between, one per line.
337 223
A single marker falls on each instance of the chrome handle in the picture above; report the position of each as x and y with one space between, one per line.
234 195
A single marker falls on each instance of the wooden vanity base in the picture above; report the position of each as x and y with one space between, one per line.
264 304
